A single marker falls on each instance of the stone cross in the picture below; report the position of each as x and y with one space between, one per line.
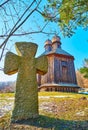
25 63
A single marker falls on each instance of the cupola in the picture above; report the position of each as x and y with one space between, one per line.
48 45
56 42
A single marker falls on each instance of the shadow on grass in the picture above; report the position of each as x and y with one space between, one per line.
48 123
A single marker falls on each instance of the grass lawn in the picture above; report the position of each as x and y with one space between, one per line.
58 111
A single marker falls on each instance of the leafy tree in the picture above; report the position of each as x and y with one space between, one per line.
69 14
84 69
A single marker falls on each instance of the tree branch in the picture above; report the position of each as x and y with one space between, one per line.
14 29
33 32
4 3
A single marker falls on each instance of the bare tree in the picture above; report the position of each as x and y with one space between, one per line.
14 15
80 79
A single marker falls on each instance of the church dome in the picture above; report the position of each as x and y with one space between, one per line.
55 39
48 45
48 42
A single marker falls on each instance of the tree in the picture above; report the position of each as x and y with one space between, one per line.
69 14
80 79
84 70
14 15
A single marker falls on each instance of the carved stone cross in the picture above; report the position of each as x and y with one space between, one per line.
25 63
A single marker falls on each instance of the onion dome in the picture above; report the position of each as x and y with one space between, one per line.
56 42
55 39
48 45
48 42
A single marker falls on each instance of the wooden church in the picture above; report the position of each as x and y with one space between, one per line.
61 71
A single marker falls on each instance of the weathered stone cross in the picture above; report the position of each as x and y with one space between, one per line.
26 95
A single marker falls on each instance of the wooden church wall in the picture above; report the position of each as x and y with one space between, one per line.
57 70
60 66
70 78
49 77
72 72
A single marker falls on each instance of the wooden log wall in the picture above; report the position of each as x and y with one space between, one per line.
56 67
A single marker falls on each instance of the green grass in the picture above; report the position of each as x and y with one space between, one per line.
74 95
6 95
58 111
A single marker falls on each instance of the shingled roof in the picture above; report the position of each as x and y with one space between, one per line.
57 51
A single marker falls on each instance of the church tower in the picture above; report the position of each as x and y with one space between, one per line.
61 71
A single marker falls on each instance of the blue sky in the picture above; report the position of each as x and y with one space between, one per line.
77 45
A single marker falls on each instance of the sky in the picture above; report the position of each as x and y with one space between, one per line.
77 45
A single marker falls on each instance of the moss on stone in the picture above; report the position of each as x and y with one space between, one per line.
26 96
